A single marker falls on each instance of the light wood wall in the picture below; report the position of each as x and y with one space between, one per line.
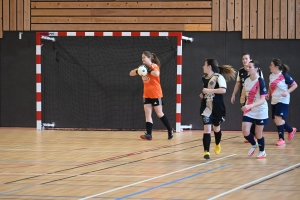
256 19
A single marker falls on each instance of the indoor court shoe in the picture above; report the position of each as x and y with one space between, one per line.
280 142
206 155
291 134
146 137
170 134
261 155
218 149
252 149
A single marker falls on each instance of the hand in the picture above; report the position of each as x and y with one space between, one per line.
201 95
232 99
148 69
267 97
284 94
205 90
245 107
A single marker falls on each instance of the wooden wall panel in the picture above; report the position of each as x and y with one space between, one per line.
1 19
27 14
238 15
253 20
245 28
120 4
223 15
276 20
297 19
268 19
20 15
215 15
230 15
5 15
291 19
260 19
283 19
13 15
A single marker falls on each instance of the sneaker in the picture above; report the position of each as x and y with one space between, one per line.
291 134
170 134
252 149
218 149
261 155
146 137
206 155
280 142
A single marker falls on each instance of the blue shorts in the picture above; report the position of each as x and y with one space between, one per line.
255 121
280 109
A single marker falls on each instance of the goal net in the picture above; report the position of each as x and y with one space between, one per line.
85 82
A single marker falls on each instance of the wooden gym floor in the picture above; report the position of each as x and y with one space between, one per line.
52 164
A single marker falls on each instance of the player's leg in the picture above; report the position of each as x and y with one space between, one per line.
206 136
149 121
157 105
260 139
246 126
278 120
218 134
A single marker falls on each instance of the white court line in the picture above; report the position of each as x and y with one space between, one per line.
126 186
255 181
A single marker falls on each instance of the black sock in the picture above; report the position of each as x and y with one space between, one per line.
165 121
252 129
218 136
261 144
250 138
149 128
280 130
287 127
206 141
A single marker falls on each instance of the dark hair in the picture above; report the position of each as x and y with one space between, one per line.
256 65
283 67
226 70
245 54
153 57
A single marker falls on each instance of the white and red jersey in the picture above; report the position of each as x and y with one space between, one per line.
279 83
254 91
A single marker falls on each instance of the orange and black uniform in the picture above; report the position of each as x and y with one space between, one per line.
152 87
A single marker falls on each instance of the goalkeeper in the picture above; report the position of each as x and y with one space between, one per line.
152 94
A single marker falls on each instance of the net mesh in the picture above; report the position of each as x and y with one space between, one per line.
86 82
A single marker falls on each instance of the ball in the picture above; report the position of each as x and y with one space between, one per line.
142 70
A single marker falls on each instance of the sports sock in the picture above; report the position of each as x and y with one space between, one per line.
280 130
252 129
250 138
165 121
149 128
261 144
206 141
218 136
287 127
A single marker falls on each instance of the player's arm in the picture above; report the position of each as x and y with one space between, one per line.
236 88
133 72
257 103
214 91
154 70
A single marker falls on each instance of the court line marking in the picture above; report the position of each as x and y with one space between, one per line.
255 181
171 182
156 177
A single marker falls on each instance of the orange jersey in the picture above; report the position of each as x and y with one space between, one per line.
152 87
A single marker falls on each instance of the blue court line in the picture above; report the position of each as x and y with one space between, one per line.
171 182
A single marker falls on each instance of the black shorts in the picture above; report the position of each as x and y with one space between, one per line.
154 102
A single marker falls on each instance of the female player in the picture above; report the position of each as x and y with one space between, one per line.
212 106
280 87
152 94
239 85
255 109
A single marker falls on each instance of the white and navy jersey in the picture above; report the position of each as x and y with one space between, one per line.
243 75
279 83
254 90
